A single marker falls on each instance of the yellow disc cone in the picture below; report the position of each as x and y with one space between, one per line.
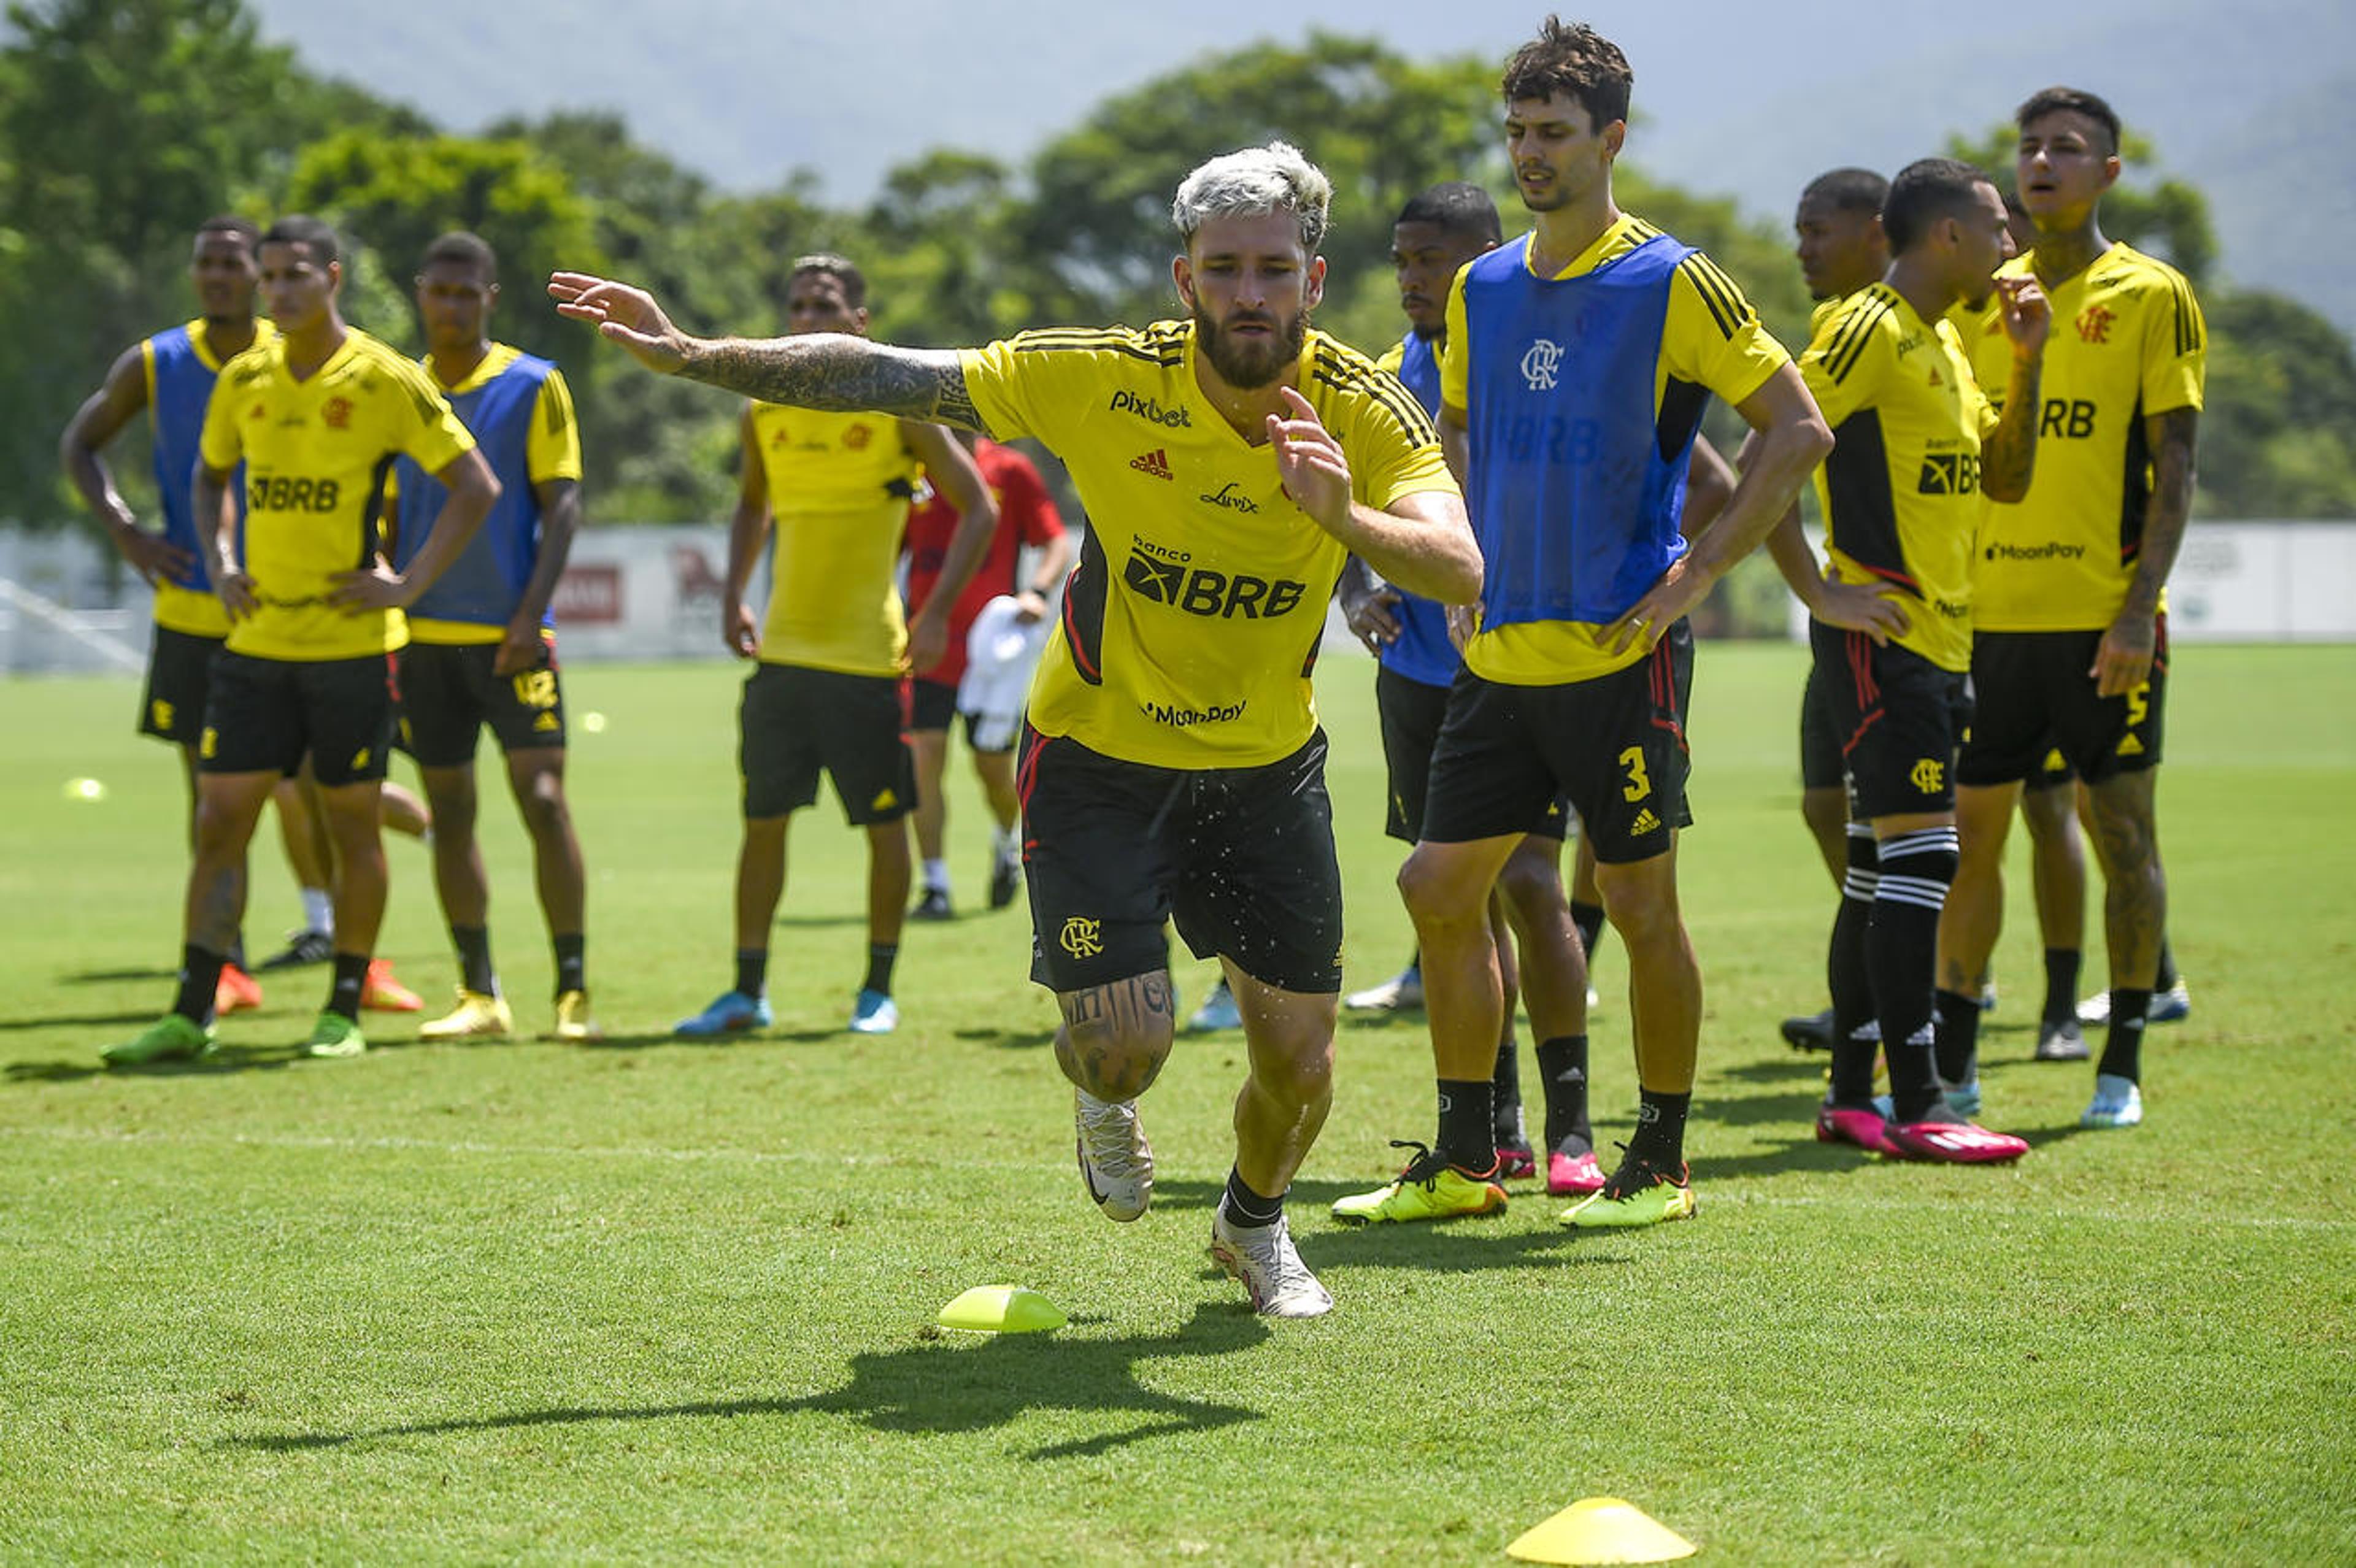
1003 1310
1602 1530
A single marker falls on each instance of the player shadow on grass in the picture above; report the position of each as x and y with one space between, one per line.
224 1059
944 1383
77 1021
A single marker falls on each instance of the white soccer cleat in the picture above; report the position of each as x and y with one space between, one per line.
2172 1005
1403 992
1262 1258
1115 1161
2117 1103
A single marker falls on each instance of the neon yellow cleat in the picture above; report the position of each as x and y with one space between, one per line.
1429 1188
1639 1193
573 1025
477 1017
169 1038
335 1036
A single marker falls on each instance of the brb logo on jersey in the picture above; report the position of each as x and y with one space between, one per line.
1949 473
1541 364
1165 577
285 493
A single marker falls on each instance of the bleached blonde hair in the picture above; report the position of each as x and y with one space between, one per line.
1274 178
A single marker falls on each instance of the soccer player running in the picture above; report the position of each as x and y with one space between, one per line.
315 415
481 644
1027 516
1173 766
2068 592
825 694
1438 232
1578 364
1917 442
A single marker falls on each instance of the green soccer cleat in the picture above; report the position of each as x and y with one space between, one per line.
335 1036
171 1038
1639 1193
1429 1188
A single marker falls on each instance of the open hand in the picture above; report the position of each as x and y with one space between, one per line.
627 315
1310 462
372 587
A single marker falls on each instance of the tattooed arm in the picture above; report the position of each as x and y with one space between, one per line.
818 370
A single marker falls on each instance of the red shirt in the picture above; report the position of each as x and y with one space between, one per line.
1026 515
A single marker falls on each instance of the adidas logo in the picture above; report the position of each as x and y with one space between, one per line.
1646 823
1156 463
2131 747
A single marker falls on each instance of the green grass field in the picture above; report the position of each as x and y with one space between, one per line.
665 1301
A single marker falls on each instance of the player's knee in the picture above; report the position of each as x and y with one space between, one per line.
1434 897
1533 886
1302 1077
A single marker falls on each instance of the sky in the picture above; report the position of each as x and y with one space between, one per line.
1731 98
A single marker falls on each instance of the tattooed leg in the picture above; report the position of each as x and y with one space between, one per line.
228 807
2134 901
1116 1036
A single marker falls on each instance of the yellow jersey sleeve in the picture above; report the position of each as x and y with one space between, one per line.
1389 361
553 450
1845 360
2176 346
1713 337
221 443
1456 355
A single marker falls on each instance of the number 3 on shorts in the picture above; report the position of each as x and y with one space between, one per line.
1638 785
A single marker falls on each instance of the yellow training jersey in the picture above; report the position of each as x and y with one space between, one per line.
1711 341
1900 491
317 454
1192 621
838 491
2127 342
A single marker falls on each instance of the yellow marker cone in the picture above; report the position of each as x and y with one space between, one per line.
84 789
1602 1530
1003 1310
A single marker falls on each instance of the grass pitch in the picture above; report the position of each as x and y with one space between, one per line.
663 1300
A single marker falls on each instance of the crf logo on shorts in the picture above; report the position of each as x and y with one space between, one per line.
1083 937
1926 775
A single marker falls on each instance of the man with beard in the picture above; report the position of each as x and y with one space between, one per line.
1172 767
1579 363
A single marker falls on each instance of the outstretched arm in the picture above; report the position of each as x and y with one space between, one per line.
833 371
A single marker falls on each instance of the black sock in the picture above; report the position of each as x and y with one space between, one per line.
200 970
237 950
1660 1140
2061 984
1562 1066
1466 1123
1247 1208
1959 1036
2122 1047
1857 1039
881 956
1589 918
2167 976
474 946
571 962
344 990
1505 1078
1903 951
753 971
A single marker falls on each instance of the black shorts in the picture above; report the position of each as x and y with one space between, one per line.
448 693
1820 739
263 715
932 705
179 671
797 722
2036 697
1241 858
1412 713
2053 770
1614 747
1900 718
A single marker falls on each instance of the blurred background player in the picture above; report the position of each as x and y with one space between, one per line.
1916 443
1026 518
2070 592
1600 328
315 416
171 374
826 694
482 643
1436 234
